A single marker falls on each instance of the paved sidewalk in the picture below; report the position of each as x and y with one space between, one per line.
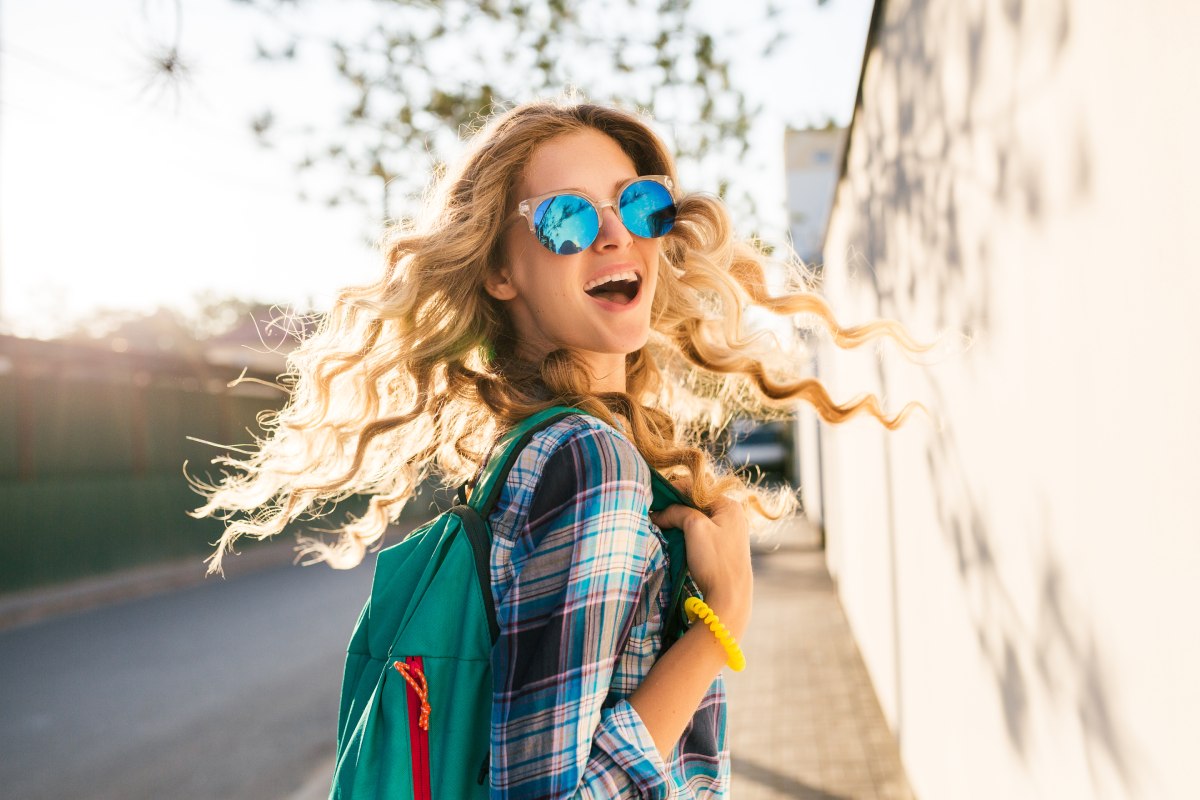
804 722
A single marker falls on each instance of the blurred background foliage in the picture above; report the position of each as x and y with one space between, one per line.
418 76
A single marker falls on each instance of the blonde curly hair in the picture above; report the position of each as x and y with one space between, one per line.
417 374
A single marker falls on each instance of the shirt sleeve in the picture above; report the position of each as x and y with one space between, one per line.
583 562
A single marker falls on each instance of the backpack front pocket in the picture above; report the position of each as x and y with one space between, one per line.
413 670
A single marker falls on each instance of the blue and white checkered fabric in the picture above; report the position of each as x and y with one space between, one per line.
579 579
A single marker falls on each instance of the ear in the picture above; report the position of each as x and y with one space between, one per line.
498 284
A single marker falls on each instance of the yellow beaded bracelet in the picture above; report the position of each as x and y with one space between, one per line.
695 607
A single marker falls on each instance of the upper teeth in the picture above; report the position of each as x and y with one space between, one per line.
628 275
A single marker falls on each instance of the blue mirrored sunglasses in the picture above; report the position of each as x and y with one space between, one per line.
568 222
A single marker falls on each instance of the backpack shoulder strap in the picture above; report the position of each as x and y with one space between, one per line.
488 484
486 491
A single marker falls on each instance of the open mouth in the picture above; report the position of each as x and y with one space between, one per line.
620 291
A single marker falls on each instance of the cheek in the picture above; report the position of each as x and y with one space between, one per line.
650 251
542 279
523 261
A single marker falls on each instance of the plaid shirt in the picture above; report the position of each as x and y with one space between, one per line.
579 579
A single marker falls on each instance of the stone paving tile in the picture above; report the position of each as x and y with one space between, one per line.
804 720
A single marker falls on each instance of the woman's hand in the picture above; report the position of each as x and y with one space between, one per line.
718 555
719 559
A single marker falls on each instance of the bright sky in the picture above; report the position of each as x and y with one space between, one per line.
115 194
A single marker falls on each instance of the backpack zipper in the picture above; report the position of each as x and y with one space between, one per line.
413 670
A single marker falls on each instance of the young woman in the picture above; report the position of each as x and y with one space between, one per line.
560 264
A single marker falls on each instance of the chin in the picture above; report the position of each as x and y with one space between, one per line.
629 344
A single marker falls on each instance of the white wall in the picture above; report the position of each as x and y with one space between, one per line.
1025 582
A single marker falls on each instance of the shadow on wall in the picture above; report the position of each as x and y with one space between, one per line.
1068 666
919 149
920 183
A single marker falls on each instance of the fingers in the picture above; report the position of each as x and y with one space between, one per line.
674 516
718 552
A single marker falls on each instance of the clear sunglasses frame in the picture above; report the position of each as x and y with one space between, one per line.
526 207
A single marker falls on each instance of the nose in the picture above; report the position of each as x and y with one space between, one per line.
613 233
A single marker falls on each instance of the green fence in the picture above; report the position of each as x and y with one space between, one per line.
92 447
58 529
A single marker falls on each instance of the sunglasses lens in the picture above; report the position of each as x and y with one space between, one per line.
647 209
566 224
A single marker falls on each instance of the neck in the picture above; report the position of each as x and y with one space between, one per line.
608 371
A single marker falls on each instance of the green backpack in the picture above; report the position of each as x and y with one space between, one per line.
415 718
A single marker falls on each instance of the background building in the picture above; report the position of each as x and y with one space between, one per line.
812 159
1021 572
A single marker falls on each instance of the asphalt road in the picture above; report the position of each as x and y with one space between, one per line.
225 690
